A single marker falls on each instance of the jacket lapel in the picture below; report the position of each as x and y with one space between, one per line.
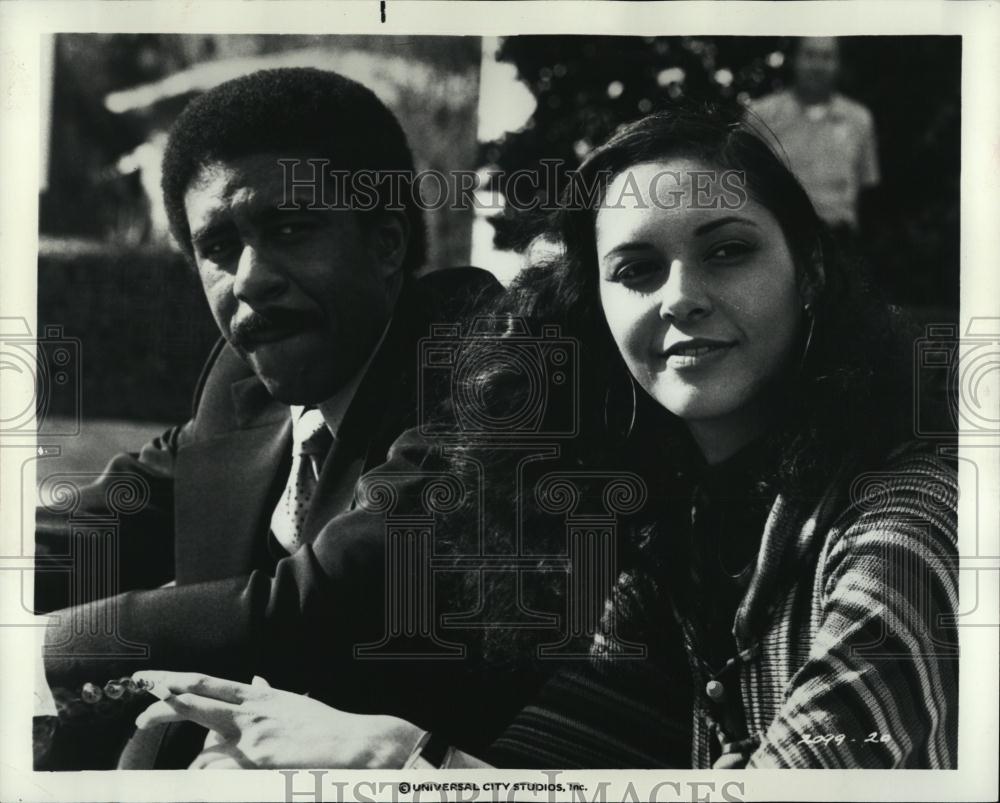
231 478
374 418
227 486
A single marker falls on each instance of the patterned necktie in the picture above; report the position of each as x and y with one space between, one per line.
311 441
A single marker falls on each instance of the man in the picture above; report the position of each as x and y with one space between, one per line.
829 139
314 379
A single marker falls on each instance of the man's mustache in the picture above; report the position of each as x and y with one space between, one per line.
257 326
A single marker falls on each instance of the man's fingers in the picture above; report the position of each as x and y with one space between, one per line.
221 757
223 763
210 713
213 739
162 684
159 713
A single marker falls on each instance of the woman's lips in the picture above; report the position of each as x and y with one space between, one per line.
695 353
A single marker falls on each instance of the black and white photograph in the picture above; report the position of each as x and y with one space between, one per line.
544 401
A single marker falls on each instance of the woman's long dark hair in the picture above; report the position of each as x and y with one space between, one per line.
848 400
853 389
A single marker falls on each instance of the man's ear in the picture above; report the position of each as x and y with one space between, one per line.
389 235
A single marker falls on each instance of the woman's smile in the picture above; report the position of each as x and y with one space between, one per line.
687 354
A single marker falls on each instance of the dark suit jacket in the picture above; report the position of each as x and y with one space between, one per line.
210 486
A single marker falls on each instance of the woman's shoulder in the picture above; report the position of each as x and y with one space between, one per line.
906 504
913 473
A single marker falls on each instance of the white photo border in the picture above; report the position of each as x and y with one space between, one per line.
23 26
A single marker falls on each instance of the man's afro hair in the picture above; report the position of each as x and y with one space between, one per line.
290 110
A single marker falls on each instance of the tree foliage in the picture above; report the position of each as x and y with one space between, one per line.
586 86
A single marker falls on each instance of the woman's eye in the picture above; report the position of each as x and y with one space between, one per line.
634 272
729 252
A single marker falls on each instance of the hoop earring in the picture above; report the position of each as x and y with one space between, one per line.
807 309
634 407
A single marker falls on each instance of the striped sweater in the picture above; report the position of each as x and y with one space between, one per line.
846 635
847 629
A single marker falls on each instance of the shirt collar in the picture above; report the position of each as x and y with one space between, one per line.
831 108
335 408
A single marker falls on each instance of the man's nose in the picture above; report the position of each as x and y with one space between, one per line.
257 278
683 296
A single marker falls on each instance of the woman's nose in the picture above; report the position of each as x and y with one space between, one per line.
682 295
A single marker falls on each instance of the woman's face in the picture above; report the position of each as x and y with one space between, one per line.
702 302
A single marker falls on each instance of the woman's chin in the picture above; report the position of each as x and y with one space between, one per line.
696 404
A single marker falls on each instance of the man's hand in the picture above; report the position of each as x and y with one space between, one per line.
258 727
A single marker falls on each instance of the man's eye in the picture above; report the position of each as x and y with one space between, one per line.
216 249
729 252
291 228
635 272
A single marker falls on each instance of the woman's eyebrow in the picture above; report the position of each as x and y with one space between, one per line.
629 246
704 228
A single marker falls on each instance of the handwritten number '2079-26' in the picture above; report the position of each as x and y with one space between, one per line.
839 738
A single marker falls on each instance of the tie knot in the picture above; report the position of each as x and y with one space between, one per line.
310 434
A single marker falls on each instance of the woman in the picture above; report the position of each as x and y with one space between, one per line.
793 577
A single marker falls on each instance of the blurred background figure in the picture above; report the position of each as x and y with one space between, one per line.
829 138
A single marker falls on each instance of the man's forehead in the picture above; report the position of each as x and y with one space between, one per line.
260 178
